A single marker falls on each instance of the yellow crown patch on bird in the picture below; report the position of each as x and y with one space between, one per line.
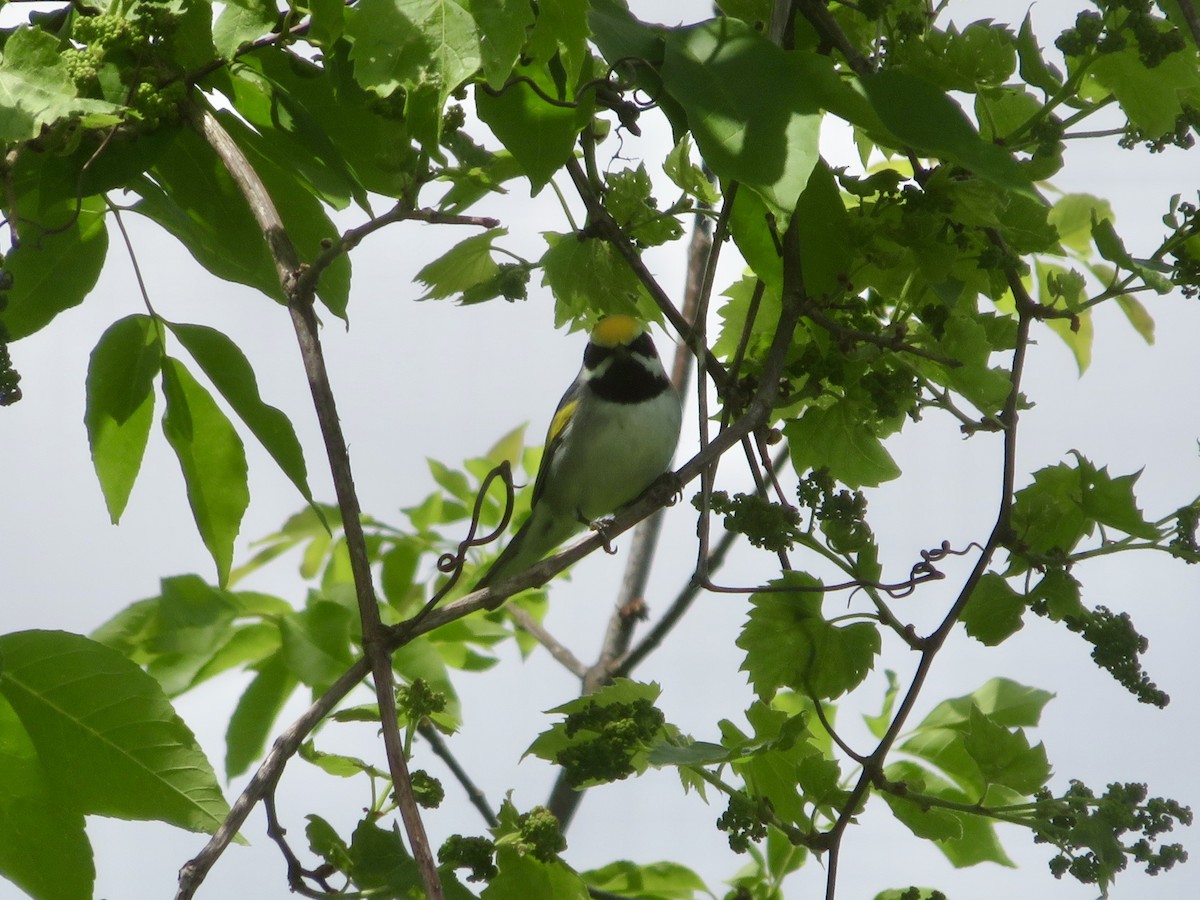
612 331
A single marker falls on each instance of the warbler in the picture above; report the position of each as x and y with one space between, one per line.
613 434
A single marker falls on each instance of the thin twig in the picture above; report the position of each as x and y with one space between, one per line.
442 750
556 648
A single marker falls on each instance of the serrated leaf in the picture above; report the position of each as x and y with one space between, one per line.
839 440
120 405
650 881
502 27
36 89
1151 98
212 459
993 613
522 877
589 277
53 270
44 849
966 839
465 265
1004 757
230 372
539 135
1033 66
753 119
105 733
425 48
688 176
789 643
1007 702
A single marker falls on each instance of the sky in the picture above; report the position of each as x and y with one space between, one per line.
417 380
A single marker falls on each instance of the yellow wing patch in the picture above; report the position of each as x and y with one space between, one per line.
558 423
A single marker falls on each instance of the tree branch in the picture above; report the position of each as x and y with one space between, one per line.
304 320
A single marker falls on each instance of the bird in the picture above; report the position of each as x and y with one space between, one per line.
613 434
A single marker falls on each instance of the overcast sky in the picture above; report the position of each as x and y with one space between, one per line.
416 380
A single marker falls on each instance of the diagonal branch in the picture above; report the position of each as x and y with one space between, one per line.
304 320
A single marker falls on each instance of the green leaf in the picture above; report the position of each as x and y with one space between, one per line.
255 714
928 119
242 21
651 881
230 372
307 223
1008 703
589 277
212 459
1112 248
36 89
1110 501
502 26
522 877
120 405
1033 66
965 838
44 849
1047 517
466 265
561 29
540 135
328 21
789 643
105 733
316 643
1004 757
189 193
993 613
688 176
192 619
340 136
57 263
425 48
825 242
1072 216
1151 98
840 440
1139 317
751 115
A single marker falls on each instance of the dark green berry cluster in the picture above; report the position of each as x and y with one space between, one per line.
10 393
474 853
743 821
1183 542
1089 831
427 790
1183 135
1184 218
615 733
770 526
1116 646
1111 31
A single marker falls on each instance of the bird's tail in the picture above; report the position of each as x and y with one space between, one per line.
533 541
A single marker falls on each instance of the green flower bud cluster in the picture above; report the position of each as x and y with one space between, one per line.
474 853
1116 646
743 822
